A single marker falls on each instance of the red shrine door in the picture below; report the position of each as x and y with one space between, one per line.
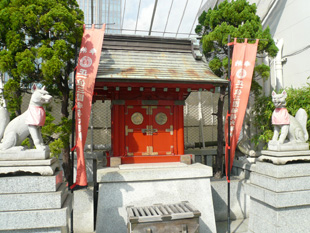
149 130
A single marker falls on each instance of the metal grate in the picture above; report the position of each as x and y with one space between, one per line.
174 218
161 212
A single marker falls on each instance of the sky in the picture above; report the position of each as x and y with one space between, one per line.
171 24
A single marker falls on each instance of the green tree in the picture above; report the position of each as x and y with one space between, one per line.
236 18
37 41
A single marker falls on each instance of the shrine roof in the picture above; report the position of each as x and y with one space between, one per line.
152 59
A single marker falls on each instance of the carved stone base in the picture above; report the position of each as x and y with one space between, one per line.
282 157
45 167
20 153
288 146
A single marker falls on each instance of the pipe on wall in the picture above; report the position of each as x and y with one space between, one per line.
278 65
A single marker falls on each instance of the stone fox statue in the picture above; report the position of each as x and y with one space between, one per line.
293 128
29 122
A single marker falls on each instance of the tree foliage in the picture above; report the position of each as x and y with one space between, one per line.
37 42
13 97
239 20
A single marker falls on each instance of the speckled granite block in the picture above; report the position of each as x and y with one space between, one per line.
165 184
36 219
281 171
83 214
264 218
40 230
280 198
288 184
19 153
34 201
30 183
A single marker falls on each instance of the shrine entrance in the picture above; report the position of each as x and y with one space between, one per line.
149 130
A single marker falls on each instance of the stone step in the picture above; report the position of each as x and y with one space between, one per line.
30 183
282 171
34 201
278 200
32 221
287 184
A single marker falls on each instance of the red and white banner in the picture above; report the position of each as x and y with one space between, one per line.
242 67
86 73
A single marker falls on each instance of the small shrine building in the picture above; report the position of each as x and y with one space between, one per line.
147 80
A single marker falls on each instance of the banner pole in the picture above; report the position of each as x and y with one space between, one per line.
228 170
73 121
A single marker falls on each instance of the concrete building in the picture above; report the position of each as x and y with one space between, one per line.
287 20
104 11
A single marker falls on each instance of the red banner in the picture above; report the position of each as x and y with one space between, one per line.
242 67
86 73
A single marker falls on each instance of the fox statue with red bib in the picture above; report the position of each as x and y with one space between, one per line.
288 130
30 122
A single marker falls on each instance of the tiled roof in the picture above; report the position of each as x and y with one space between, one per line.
152 59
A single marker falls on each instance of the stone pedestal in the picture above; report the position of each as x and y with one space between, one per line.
149 184
34 203
282 157
18 159
280 198
288 146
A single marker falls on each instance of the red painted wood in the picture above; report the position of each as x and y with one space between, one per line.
136 141
138 147
180 134
148 94
151 159
175 130
162 140
122 149
193 86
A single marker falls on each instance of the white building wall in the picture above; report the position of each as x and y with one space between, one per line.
293 27
290 20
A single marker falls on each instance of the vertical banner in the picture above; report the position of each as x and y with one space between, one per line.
86 73
242 67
